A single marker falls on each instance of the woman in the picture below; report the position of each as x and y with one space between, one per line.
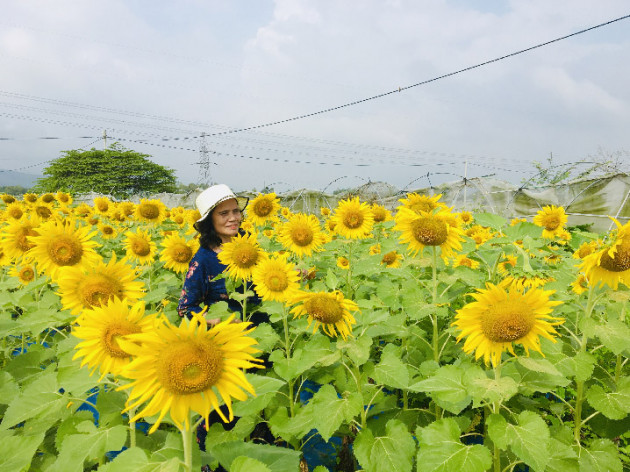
221 213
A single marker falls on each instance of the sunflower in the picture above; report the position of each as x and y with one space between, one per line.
25 274
422 203
179 368
466 217
504 266
139 246
552 219
464 260
610 264
107 231
515 221
178 252
479 234
43 210
63 245
286 212
391 259
192 216
6 198
375 249
330 310
263 208
353 219
343 262
502 315
83 210
428 229
301 234
100 329
380 213
324 211
102 205
15 236
178 219
82 289
580 284
29 197
128 208
586 248
275 279
241 255
14 211
150 211
63 198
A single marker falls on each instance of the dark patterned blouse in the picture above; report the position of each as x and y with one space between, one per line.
200 286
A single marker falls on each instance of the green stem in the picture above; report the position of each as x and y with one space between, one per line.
496 456
357 375
434 319
244 304
287 351
577 427
618 367
132 427
187 435
349 275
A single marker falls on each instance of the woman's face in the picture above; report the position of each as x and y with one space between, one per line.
226 219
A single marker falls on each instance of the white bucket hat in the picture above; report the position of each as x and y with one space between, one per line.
208 199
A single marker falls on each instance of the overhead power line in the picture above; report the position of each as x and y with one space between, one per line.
424 82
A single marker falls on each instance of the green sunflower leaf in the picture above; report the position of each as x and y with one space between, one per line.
446 387
392 452
529 440
441 450
613 405
601 456
391 370
16 452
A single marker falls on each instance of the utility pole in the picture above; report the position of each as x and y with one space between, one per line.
204 160
465 183
104 139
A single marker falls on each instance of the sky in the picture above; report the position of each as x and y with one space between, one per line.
256 77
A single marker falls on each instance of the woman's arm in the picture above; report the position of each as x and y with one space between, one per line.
194 290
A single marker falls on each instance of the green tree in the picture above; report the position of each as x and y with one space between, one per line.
114 171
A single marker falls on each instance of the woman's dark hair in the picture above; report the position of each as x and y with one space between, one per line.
208 237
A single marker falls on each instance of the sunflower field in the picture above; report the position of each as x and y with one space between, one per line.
418 340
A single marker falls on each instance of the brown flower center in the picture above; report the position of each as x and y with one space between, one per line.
21 238
302 236
150 211
190 367
429 231
48 197
244 255
324 309
263 207
97 289
353 219
26 274
43 211
111 334
140 247
181 253
389 258
507 322
551 222
65 250
620 262
15 213
276 280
